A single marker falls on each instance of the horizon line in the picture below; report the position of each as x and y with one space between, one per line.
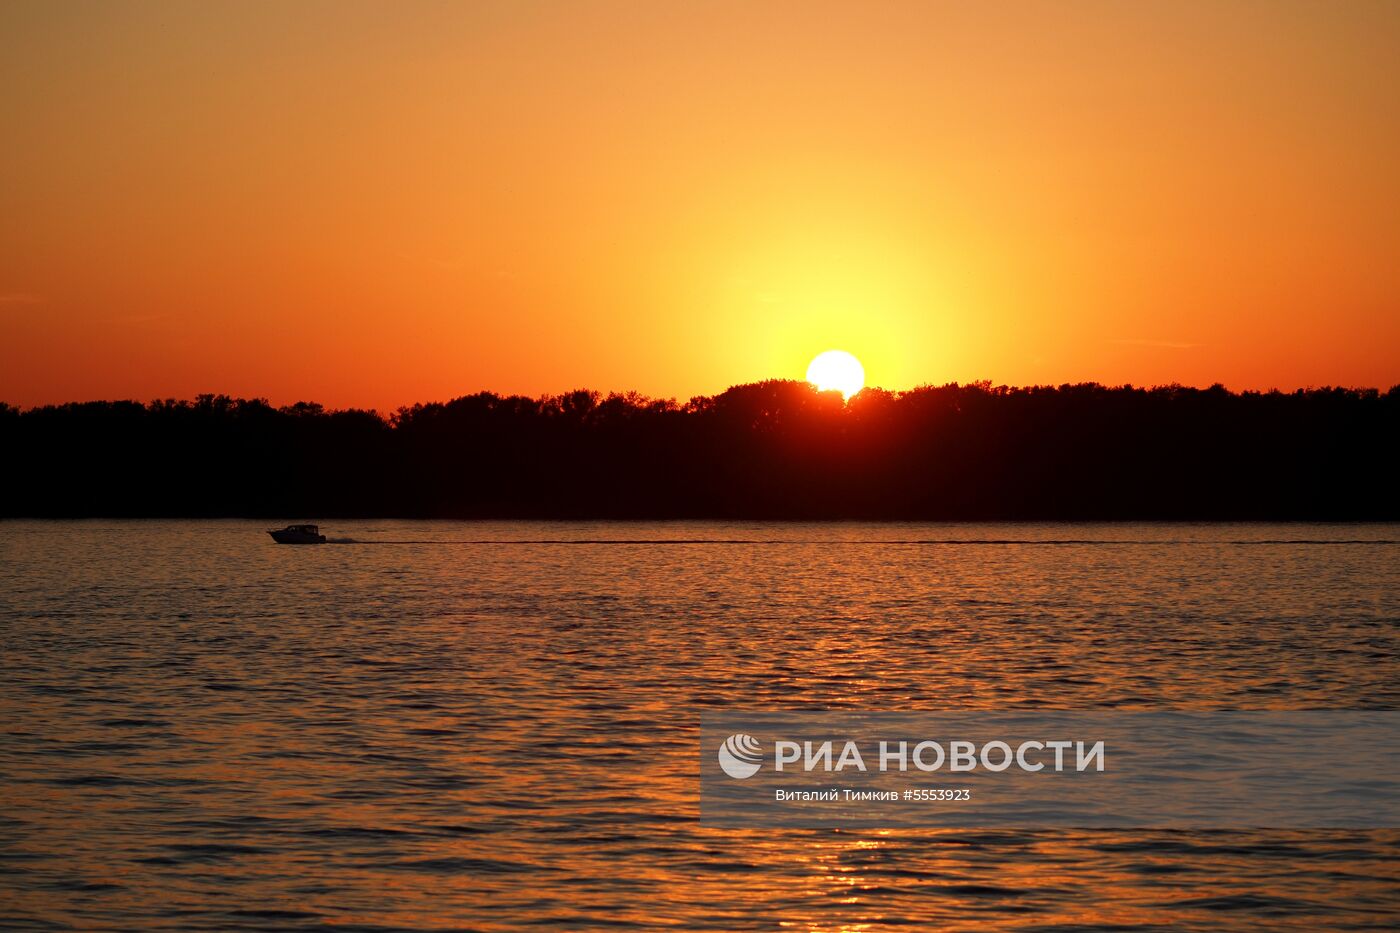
633 394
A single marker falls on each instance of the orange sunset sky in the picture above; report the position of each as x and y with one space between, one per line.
376 204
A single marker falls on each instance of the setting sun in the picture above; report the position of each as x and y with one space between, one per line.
836 369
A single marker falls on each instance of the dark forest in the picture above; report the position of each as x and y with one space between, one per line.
775 449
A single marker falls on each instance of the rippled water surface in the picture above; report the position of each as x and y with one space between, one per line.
427 726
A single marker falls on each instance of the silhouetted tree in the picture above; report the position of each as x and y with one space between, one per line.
775 449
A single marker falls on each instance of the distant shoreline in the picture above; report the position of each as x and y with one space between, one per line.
770 451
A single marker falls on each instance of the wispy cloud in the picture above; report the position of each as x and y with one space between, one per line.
20 298
1143 342
135 319
445 263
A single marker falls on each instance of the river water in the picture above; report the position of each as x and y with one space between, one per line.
493 726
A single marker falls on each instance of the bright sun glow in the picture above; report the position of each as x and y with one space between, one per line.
836 369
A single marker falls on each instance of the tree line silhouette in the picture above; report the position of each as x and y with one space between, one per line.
775 449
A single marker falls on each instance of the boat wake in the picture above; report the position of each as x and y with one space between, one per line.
883 542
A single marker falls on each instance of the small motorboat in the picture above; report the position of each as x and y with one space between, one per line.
298 534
